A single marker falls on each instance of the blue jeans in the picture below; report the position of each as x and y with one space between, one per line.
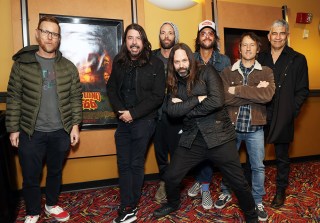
255 149
51 147
132 141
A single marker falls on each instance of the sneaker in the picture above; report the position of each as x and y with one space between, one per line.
164 210
161 192
206 200
31 218
126 215
57 212
222 201
262 214
195 189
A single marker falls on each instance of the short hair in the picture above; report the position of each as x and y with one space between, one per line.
49 18
280 22
253 36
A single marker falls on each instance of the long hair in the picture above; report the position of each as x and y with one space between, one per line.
48 18
215 42
172 81
124 55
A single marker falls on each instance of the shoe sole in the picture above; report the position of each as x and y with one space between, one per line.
262 219
58 219
128 221
207 207
193 195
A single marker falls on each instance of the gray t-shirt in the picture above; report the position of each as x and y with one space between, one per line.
49 118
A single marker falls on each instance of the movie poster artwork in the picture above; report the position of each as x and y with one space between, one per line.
91 44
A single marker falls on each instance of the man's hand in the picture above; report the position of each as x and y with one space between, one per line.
14 139
74 135
263 84
201 98
125 116
231 90
176 100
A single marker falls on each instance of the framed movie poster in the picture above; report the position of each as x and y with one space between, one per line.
91 44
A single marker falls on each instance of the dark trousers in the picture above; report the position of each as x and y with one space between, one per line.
50 147
166 141
283 165
225 156
132 140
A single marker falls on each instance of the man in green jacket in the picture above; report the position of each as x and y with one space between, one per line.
44 111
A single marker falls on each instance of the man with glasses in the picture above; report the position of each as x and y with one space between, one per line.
207 53
290 71
44 111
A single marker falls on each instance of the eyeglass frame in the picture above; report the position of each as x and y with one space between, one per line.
47 33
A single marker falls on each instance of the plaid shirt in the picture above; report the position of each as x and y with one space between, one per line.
243 123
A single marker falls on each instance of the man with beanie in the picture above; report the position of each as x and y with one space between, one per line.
167 130
207 53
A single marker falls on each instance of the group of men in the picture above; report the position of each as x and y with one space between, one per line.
199 107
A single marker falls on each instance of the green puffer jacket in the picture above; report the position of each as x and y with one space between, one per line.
24 92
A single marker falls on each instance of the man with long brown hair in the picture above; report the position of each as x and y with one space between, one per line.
136 89
196 94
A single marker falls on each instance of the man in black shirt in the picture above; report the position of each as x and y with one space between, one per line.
290 71
136 89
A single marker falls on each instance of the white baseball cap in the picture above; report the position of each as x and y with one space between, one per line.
205 24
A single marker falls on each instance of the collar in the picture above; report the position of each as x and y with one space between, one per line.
236 65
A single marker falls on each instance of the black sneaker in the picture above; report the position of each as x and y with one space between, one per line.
222 201
126 215
164 210
262 214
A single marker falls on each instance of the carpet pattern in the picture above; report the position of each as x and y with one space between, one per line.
100 204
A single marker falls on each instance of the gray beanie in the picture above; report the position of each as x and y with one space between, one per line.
176 31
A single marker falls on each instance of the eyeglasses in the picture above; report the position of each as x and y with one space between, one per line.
46 33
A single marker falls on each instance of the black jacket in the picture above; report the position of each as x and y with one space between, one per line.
210 117
150 88
292 88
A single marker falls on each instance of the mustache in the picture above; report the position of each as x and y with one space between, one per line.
134 45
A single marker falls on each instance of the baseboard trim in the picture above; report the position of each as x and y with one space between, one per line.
155 176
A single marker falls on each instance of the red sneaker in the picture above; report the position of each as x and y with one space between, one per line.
58 213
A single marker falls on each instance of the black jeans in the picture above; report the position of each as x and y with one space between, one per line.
225 156
51 147
283 165
132 140
166 139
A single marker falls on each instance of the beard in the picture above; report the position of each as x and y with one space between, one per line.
166 45
48 48
136 52
204 46
183 72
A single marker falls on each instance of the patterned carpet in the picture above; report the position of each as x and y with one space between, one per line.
100 204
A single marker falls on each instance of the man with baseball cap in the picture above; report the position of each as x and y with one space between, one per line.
207 53
167 130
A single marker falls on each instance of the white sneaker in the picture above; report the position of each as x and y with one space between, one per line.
57 212
31 218
206 200
194 190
